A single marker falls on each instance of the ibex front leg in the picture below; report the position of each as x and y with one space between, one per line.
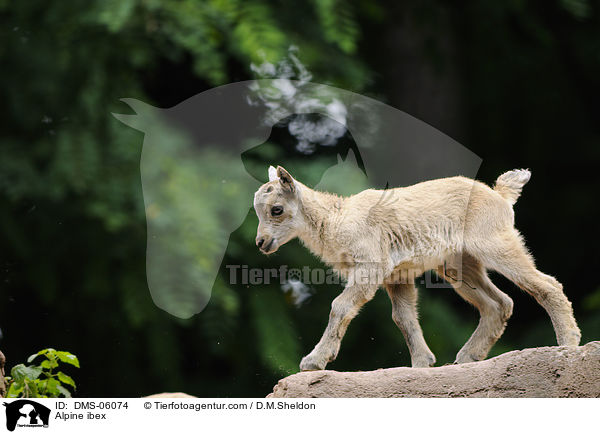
343 308
404 313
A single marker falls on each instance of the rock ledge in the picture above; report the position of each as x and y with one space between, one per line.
545 372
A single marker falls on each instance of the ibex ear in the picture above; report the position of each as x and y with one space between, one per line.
272 173
286 180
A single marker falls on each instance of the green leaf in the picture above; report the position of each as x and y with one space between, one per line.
49 364
31 388
66 379
42 386
15 389
52 387
69 358
39 353
17 372
22 372
63 391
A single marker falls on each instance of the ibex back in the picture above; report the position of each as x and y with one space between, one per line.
385 238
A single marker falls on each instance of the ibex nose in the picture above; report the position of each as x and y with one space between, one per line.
260 241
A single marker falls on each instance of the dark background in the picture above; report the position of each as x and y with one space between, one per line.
516 82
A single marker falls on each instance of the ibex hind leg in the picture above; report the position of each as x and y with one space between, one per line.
506 254
495 307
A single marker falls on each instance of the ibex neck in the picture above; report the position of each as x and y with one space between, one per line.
318 210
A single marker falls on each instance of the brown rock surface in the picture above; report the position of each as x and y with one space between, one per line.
535 372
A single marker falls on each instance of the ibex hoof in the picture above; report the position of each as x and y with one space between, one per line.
310 363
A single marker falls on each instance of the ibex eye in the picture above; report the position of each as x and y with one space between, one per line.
276 210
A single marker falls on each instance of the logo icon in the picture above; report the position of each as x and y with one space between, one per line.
26 413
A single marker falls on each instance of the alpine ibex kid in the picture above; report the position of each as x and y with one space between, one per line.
389 237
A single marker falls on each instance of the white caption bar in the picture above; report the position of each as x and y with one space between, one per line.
261 415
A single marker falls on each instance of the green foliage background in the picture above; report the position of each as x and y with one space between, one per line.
72 227
42 381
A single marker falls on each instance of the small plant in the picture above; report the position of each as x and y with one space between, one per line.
41 381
